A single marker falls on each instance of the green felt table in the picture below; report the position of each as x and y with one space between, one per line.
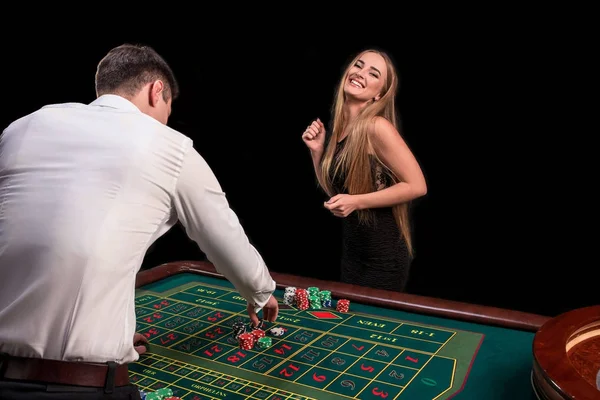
387 346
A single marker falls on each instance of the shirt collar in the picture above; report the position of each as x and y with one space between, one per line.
115 101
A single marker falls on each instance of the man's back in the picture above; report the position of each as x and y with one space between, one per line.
84 191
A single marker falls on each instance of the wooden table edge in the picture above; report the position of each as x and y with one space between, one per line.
443 308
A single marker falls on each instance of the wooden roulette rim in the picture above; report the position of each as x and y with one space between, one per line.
566 352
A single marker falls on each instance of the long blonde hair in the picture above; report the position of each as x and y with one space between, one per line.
354 159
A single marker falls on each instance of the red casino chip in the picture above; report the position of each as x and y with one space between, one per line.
247 341
343 305
258 333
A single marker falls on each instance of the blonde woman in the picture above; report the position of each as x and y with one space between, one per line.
369 174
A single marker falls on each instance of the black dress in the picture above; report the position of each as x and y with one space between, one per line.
374 253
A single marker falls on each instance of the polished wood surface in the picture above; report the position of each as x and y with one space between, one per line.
566 353
585 357
381 298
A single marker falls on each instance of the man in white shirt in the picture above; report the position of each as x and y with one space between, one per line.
85 189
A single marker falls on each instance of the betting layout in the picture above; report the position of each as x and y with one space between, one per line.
318 352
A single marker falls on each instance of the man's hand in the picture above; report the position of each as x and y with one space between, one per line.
139 342
270 311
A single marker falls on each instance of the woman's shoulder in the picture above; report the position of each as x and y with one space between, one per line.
380 126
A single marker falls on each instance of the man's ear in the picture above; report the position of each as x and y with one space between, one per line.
156 91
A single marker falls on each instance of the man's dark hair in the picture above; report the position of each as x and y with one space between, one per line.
127 68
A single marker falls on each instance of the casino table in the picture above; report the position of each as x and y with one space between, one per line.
387 346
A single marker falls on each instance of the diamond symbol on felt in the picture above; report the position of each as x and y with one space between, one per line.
324 315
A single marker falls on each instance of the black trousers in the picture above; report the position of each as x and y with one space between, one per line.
22 390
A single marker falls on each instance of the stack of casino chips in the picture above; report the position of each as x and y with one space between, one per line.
313 297
258 333
315 302
238 328
289 296
277 331
264 342
247 341
343 305
160 394
325 297
261 324
302 299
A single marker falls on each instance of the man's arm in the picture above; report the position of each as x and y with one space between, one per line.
204 211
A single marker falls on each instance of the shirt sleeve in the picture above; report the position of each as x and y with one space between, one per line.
204 211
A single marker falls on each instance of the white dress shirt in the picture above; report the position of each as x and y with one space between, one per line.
84 191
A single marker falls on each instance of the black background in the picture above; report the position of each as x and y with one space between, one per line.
492 106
